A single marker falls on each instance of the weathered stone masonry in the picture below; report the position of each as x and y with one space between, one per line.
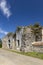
25 39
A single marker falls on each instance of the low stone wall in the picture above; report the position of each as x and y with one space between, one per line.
37 49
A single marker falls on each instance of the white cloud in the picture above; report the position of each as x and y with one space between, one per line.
4 7
3 32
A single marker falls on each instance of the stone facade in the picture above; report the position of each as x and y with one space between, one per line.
42 35
27 38
8 42
24 40
4 42
19 38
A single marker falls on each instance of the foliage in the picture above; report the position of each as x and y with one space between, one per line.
14 35
36 29
24 29
0 43
9 34
18 28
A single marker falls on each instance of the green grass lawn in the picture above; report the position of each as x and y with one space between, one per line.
32 54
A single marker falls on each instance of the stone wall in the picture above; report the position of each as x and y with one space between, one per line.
5 42
42 34
8 42
37 46
27 39
37 49
19 38
23 40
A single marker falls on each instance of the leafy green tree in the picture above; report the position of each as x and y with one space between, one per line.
36 29
0 43
19 28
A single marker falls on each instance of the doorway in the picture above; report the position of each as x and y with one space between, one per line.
9 43
18 43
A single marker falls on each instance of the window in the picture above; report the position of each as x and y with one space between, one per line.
9 40
9 43
18 43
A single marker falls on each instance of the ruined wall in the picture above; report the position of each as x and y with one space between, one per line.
27 39
6 41
37 49
37 46
19 38
42 34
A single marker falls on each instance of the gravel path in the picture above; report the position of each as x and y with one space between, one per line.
11 58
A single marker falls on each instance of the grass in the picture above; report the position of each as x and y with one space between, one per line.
32 54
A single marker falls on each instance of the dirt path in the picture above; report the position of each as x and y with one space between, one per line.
11 58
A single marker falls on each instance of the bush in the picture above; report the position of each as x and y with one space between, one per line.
0 45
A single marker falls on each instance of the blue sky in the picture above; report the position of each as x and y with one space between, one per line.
15 13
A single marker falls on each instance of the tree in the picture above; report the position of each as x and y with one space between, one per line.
18 28
9 34
36 29
0 43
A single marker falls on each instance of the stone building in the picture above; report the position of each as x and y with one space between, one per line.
27 39
19 33
8 41
24 39
42 34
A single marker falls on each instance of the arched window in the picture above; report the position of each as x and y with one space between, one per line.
9 43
